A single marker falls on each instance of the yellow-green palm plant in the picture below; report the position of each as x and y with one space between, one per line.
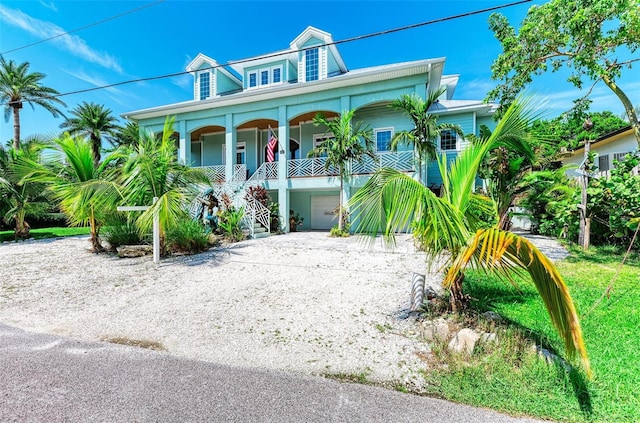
81 189
150 169
391 201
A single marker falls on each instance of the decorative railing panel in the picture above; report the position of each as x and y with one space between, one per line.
239 173
300 168
401 160
214 173
268 170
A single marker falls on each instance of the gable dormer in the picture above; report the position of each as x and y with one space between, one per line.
210 79
318 57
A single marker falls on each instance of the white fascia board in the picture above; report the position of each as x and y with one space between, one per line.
260 60
378 73
195 64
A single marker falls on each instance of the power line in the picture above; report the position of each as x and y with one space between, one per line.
85 27
268 56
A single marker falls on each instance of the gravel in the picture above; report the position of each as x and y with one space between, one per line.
300 302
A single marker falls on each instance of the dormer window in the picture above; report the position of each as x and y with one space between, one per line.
311 64
265 77
253 79
205 85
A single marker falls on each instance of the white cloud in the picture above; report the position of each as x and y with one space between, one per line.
116 94
49 5
70 43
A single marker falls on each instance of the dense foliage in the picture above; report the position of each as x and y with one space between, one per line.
594 39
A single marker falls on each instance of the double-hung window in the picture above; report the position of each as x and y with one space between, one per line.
311 64
383 138
448 140
205 85
253 80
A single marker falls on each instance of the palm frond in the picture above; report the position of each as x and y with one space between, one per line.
505 253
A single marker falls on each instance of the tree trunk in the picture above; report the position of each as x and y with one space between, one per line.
16 126
95 147
457 300
95 236
628 106
22 228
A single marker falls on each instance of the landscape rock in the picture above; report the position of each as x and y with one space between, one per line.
430 293
134 250
434 330
464 340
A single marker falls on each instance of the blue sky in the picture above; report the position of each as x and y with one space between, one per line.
166 36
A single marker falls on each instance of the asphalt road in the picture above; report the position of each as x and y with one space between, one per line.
46 378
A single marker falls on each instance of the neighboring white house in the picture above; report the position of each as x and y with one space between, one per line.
609 147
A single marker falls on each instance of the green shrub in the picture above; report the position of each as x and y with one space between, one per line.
119 230
189 236
230 224
336 232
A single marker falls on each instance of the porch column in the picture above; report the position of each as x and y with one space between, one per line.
184 149
230 147
283 155
345 103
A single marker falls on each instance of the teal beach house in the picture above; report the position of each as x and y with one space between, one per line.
250 123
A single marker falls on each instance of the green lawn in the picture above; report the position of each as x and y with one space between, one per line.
511 377
47 233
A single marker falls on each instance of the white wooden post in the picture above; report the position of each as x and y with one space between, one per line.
156 227
156 233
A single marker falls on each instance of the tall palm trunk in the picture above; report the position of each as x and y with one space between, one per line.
340 211
95 147
16 126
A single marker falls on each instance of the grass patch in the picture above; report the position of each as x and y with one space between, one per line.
512 378
141 343
44 233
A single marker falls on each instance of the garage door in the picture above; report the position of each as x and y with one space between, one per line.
322 207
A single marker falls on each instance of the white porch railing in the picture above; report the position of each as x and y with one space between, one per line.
239 173
214 173
300 168
268 170
254 211
401 160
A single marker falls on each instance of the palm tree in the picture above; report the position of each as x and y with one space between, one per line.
94 121
391 201
425 126
20 198
83 192
344 145
18 86
151 170
127 135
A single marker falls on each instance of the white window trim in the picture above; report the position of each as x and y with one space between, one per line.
256 73
260 83
200 73
281 74
451 149
241 147
386 129
318 138
304 63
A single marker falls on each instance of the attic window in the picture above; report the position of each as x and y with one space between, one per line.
205 85
311 64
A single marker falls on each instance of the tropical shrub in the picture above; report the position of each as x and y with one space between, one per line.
230 223
189 236
120 229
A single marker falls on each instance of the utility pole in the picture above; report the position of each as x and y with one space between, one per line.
585 222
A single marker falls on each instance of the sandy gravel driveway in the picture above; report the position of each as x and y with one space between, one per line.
299 302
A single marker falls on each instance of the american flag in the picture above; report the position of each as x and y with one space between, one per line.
271 147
